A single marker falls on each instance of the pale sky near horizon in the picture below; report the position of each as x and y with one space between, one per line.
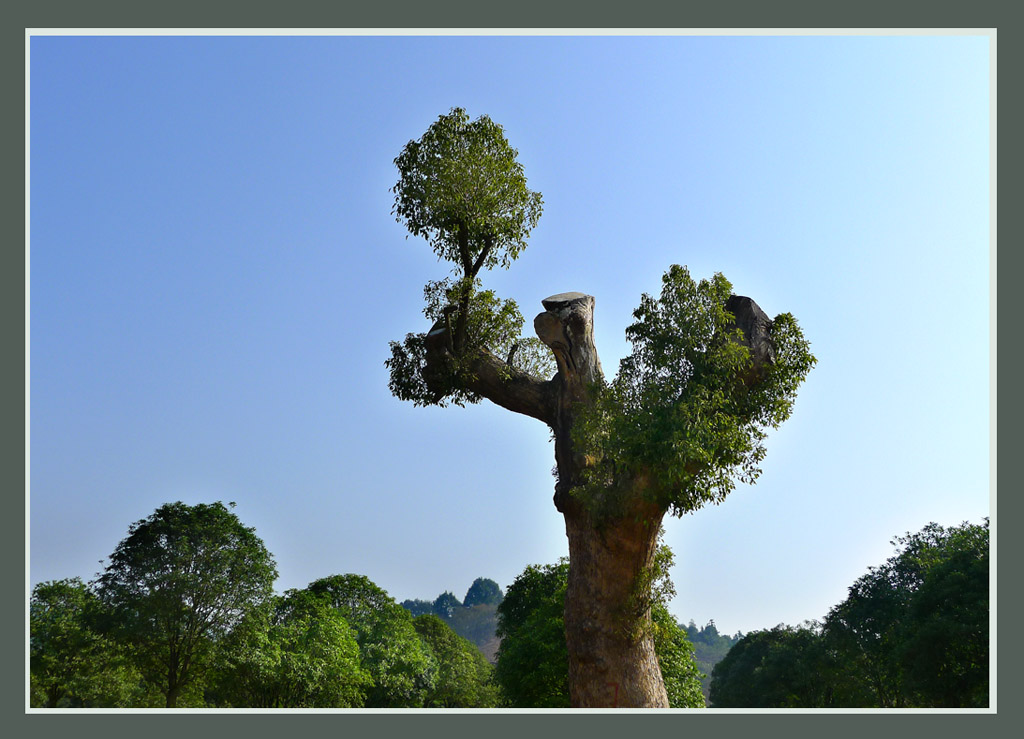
215 276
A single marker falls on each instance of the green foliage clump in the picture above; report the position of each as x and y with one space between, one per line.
464 677
492 324
916 629
299 653
784 667
401 670
710 648
677 659
462 188
912 633
483 592
681 416
445 604
73 663
533 660
418 607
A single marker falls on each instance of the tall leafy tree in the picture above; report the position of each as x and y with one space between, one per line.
180 581
300 653
682 422
400 668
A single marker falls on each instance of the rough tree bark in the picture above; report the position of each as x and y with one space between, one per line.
612 662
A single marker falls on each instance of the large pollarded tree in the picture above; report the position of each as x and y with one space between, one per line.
682 421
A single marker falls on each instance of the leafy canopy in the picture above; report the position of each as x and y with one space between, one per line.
785 667
917 626
681 415
300 653
492 324
73 663
400 667
483 591
464 677
182 579
461 187
912 633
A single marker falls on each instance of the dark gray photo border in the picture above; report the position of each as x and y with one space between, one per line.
810 14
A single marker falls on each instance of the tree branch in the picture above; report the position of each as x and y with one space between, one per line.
512 353
493 379
488 245
462 232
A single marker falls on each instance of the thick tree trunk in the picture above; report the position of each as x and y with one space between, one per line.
607 614
612 662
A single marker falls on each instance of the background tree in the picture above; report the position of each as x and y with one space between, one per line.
300 653
445 605
684 418
180 581
418 607
464 678
784 667
474 620
709 647
483 592
533 661
72 663
677 660
912 633
862 630
915 629
945 648
401 669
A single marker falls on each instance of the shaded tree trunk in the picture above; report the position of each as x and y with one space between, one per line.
172 697
607 614
612 662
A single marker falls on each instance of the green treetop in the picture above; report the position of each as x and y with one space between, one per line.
461 187
182 579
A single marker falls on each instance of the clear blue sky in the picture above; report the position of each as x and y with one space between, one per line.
215 276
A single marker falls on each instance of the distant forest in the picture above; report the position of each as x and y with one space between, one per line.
184 615
474 619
